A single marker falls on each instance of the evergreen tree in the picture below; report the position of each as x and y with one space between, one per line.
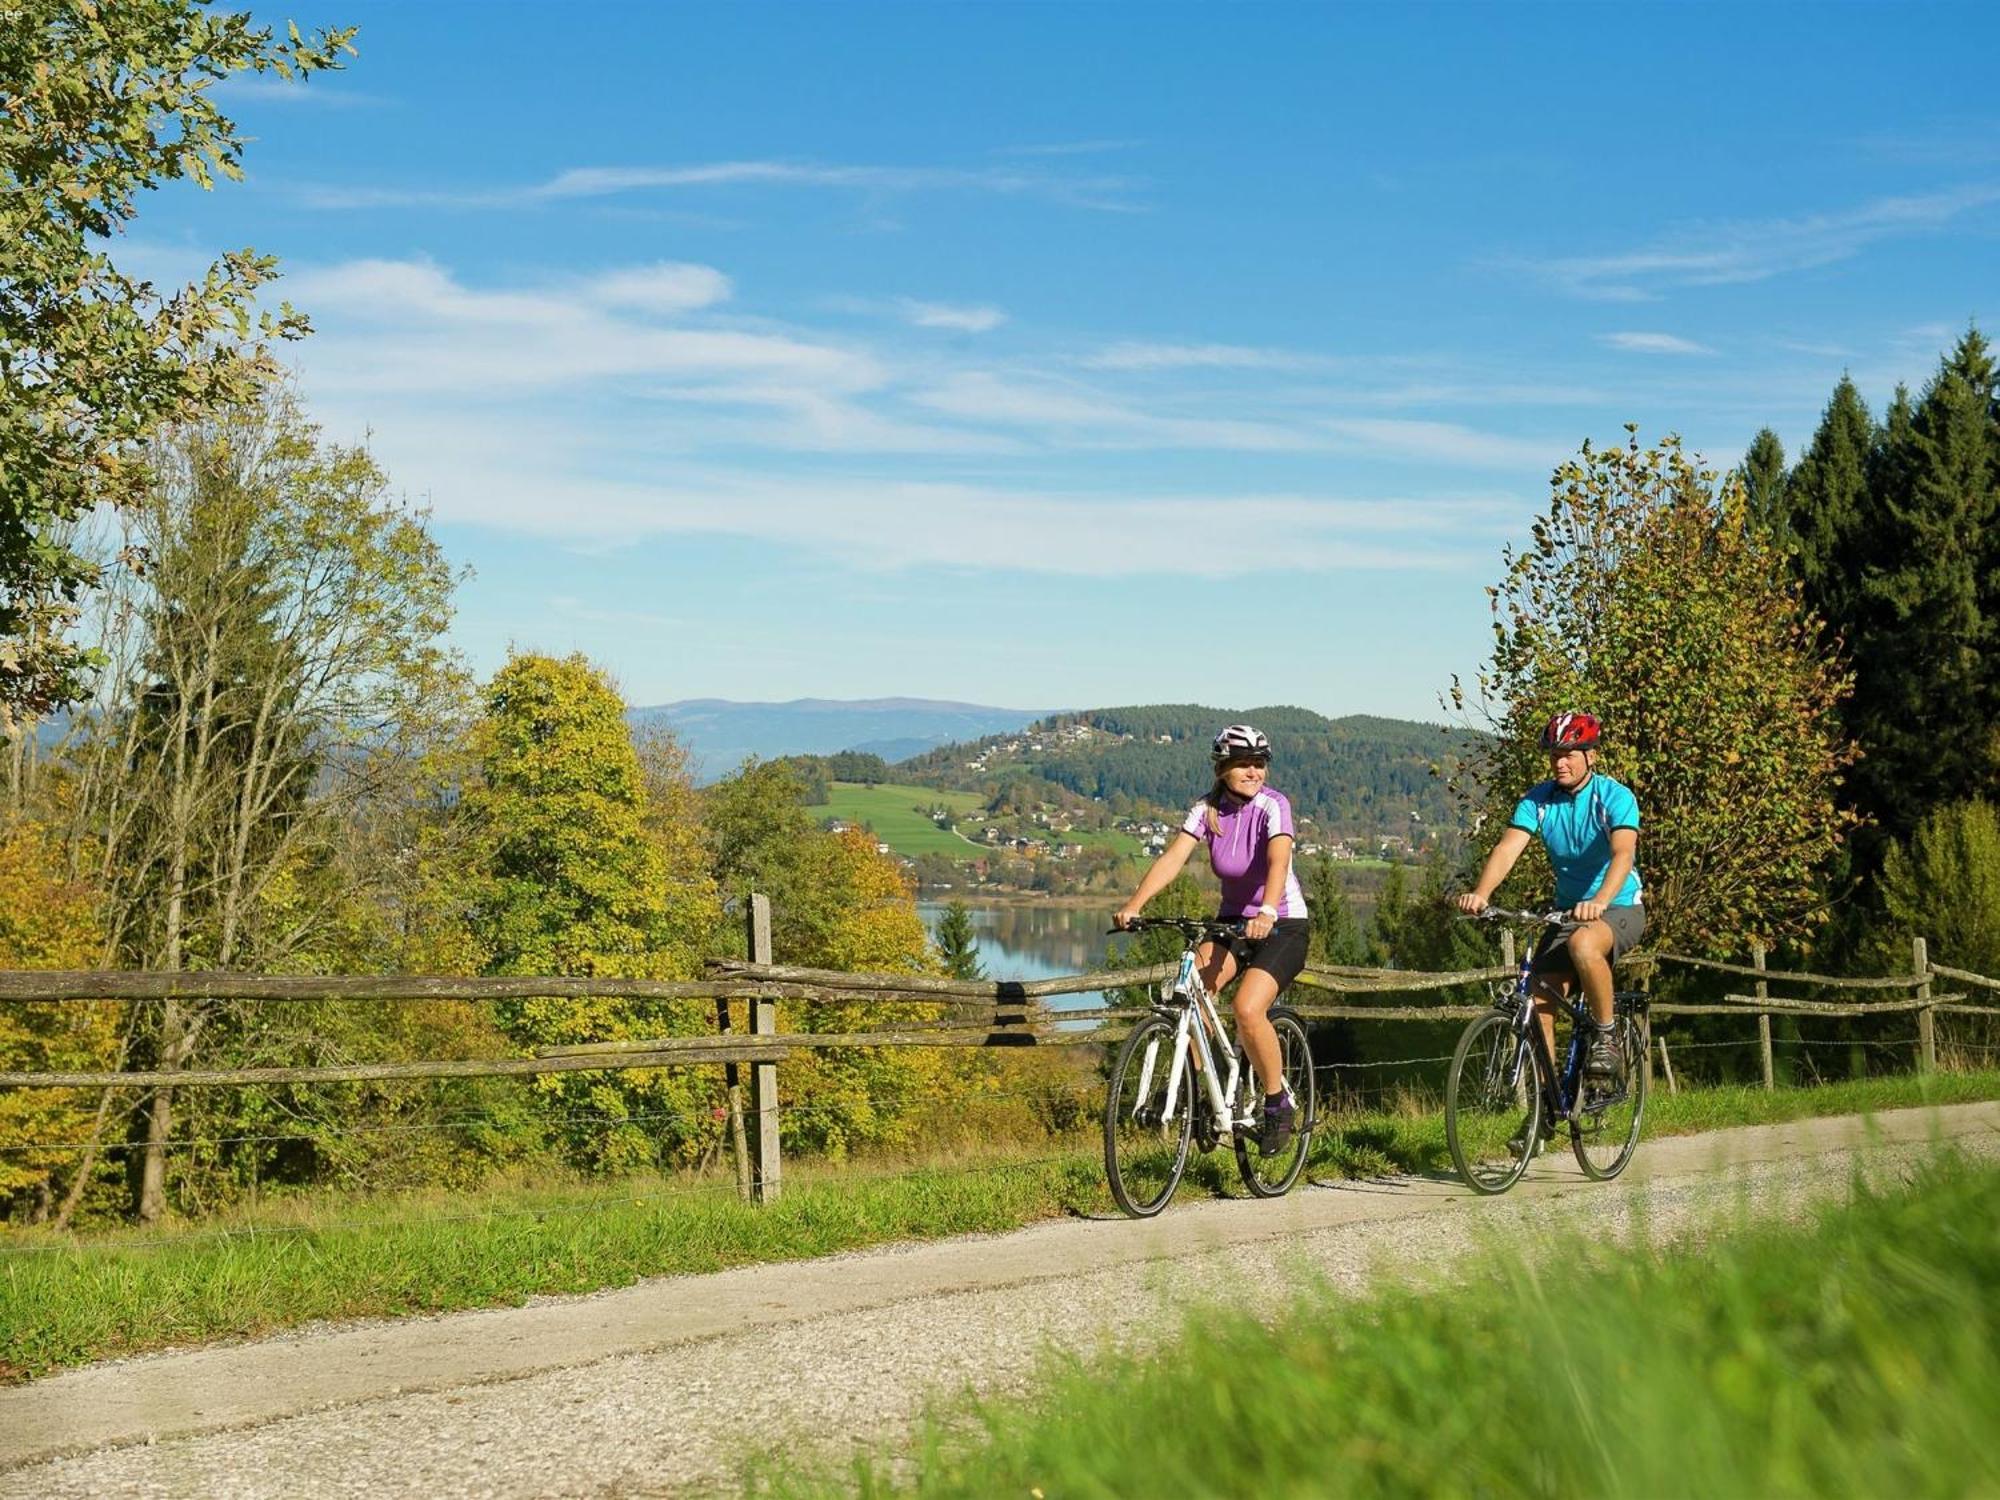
1336 936
1825 501
1921 700
957 944
1763 475
1391 912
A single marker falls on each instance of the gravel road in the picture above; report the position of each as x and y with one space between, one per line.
661 1388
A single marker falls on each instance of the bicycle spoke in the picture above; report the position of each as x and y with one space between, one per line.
1145 1151
1493 1106
1271 1176
1609 1115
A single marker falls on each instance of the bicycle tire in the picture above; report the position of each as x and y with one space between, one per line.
1274 1176
1143 1158
1605 1137
1483 1105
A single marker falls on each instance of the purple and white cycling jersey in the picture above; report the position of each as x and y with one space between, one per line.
1239 850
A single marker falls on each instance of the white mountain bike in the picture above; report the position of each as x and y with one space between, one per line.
1168 1091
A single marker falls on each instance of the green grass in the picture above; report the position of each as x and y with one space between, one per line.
1857 1357
66 1302
894 812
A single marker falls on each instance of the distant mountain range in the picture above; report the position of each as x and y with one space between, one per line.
721 734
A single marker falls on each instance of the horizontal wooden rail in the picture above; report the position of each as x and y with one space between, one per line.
1966 976
497 1067
1836 1008
1352 981
997 990
1830 981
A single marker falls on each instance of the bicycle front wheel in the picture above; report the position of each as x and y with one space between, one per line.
1606 1129
1145 1152
1272 1176
1492 1105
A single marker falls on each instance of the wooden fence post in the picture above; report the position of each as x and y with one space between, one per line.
1763 1017
1927 1017
732 1080
1507 948
765 1175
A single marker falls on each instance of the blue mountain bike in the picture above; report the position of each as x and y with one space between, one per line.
1506 1097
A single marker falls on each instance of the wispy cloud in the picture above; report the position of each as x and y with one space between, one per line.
663 287
1146 356
1755 250
412 327
1068 148
888 526
1653 343
323 93
1448 443
960 319
1075 415
1108 194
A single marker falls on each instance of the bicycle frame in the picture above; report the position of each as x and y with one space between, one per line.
1563 1091
1560 1089
1196 1020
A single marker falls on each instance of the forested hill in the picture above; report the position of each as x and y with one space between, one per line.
1355 774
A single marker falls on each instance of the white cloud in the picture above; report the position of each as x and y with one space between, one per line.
664 287
1755 250
1078 416
945 315
411 327
888 526
1110 194
1653 343
1449 443
322 92
1145 356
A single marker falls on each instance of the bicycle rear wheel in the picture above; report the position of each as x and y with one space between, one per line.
1492 1105
1144 1152
1273 1176
1605 1132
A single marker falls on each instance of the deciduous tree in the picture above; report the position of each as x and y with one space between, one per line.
1646 596
100 102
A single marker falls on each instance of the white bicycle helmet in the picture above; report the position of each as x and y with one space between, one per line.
1239 742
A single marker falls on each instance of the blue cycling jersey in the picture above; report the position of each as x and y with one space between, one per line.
1575 827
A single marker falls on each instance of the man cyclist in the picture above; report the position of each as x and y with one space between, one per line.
1589 824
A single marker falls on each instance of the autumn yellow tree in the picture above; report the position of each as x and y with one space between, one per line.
571 881
47 921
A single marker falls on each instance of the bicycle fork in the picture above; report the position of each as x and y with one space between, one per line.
1191 1045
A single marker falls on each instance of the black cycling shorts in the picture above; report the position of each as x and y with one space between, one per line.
1627 924
1281 955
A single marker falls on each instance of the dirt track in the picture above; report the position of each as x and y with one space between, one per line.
660 1387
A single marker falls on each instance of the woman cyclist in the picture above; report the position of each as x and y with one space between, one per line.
1248 829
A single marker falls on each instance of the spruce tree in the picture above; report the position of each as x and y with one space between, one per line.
1923 688
1824 501
1336 936
957 943
1763 474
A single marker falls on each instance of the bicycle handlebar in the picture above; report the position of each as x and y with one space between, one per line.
1507 914
1192 928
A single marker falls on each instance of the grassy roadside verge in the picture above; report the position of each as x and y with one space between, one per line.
1858 1357
129 1292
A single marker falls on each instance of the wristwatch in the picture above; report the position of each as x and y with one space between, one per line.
1267 911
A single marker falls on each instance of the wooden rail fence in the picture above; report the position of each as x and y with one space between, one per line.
983 1013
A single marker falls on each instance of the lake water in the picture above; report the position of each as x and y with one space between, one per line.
1037 942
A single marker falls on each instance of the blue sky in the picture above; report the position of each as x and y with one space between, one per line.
1062 355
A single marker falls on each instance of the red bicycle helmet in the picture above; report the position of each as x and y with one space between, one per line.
1571 731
